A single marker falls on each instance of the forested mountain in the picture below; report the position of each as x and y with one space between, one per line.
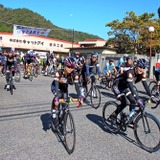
23 16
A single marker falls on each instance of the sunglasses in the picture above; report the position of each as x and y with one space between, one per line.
94 56
70 67
142 67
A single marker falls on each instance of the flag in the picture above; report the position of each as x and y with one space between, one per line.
20 30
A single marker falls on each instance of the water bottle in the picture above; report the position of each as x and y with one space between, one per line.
131 113
82 91
54 113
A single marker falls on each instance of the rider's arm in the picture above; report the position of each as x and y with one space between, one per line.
131 86
87 70
145 85
98 70
56 82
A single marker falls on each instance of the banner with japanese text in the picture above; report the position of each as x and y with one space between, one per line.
20 30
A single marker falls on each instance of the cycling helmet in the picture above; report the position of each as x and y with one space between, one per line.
95 54
125 55
142 63
70 62
30 52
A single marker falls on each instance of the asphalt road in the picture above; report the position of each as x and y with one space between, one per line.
25 133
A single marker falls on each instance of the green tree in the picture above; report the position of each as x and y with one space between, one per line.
132 35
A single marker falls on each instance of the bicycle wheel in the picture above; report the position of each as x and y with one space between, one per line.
103 83
69 132
136 90
17 76
95 97
155 90
107 110
11 87
151 84
147 132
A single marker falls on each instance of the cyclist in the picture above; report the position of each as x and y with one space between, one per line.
109 69
157 76
2 61
30 58
120 61
123 87
78 70
126 65
47 62
9 66
90 69
62 78
79 62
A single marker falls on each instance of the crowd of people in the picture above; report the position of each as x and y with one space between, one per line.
79 71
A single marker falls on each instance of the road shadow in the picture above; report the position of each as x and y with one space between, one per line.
47 124
45 119
98 120
107 94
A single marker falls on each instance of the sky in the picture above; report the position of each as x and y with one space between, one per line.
89 16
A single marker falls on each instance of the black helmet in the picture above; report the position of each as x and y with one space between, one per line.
142 63
95 54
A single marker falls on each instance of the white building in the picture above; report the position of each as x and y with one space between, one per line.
35 43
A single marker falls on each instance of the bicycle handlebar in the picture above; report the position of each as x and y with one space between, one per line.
69 100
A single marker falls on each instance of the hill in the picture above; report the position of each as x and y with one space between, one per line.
23 16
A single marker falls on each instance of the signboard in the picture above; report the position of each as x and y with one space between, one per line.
19 30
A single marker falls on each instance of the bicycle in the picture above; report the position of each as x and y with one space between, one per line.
155 92
30 71
144 124
152 84
93 93
10 78
17 73
66 126
107 82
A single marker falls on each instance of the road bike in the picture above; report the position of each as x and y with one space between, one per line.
17 76
107 82
146 126
66 126
93 94
152 84
10 81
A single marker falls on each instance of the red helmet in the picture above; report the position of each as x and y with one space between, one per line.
70 62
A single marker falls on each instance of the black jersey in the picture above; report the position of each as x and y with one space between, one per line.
129 76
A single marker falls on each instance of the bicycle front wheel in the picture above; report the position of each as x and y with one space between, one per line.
95 97
152 84
69 132
147 132
155 90
108 109
17 76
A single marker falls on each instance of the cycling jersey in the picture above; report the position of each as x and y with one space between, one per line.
126 80
125 66
2 59
157 74
108 67
61 81
92 67
29 58
157 69
120 61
